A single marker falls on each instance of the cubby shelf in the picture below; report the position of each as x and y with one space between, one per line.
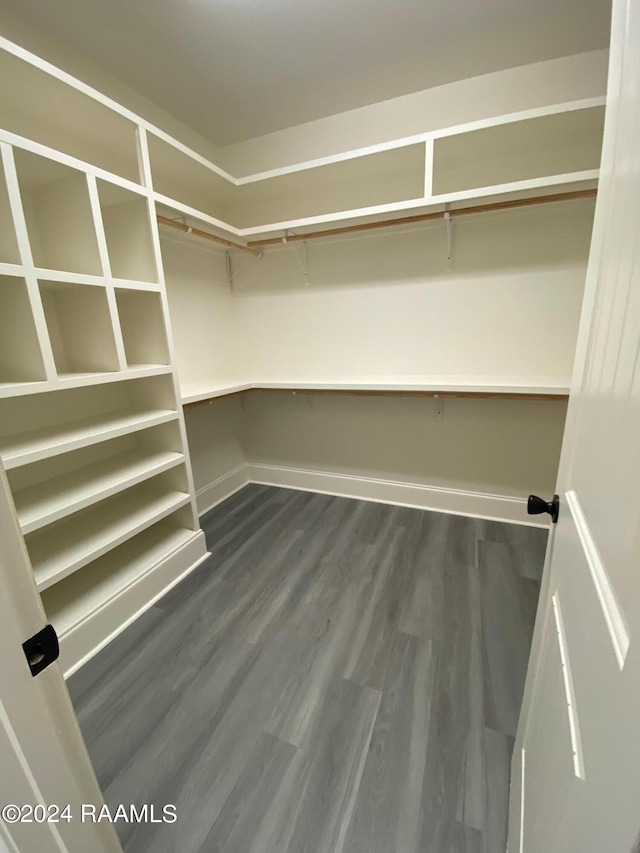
69 545
20 355
125 216
58 214
80 328
45 503
142 326
77 597
25 447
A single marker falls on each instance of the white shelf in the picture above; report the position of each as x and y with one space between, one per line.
16 450
78 597
66 547
534 386
44 503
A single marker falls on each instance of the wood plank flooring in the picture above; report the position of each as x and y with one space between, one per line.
338 677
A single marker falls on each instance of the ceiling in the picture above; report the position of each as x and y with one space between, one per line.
234 69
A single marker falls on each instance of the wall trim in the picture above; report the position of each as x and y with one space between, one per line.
221 489
454 501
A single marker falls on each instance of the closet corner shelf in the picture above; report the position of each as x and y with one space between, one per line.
538 388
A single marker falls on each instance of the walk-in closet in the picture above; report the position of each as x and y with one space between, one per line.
274 394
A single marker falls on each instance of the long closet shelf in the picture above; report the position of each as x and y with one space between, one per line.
16 450
77 598
539 388
59 551
44 503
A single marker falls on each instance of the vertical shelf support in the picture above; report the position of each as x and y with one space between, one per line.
103 251
144 164
428 168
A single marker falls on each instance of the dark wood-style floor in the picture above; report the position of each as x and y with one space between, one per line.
338 677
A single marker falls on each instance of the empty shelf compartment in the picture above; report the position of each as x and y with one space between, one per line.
49 501
67 546
142 327
125 216
20 356
80 595
58 212
80 328
81 417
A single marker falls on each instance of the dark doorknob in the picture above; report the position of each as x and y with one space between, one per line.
536 506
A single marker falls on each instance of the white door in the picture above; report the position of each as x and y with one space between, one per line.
576 766
43 761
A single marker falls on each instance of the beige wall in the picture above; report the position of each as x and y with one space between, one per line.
201 308
501 447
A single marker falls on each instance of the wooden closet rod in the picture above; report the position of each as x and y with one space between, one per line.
425 217
197 232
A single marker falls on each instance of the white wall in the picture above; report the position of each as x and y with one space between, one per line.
387 303
202 310
555 81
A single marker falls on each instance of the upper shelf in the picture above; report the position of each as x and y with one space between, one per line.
557 145
446 386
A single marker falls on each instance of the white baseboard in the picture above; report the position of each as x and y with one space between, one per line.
454 501
221 489
91 635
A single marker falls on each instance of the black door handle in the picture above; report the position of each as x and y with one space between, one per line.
536 505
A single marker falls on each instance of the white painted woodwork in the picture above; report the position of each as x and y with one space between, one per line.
126 224
24 447
576 768
547 145
42 753
45 502
56 203
539 386
102 600
64 547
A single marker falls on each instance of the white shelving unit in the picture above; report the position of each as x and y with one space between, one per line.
91 428
67 546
